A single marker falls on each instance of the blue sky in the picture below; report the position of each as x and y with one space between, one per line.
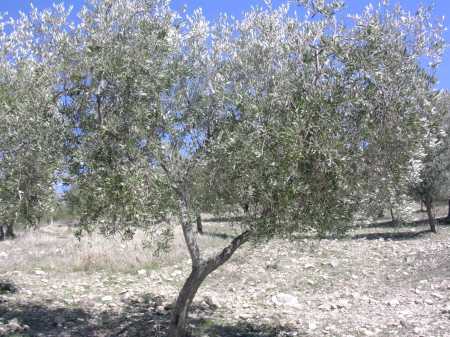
212 8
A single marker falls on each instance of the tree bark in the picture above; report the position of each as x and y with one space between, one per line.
200 270
10 232
199 224
394 220
178 322
2 233
431 220
246 208
448 214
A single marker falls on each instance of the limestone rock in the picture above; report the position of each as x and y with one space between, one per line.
286 300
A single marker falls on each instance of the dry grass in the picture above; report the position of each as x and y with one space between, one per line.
55 248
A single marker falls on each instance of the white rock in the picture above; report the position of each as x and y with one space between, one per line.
142 272
366 332
107 298
244 316
286 300
325 306
429 301
437 295
393 302
341 304
14 325
417 331
312 325
212 302
333 264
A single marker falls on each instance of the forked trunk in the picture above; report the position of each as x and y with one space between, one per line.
200 270
431 220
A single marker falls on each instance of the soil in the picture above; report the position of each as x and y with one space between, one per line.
374 282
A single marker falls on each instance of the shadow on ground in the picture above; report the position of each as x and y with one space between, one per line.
224 236
224 219
389 224
394 236
7 287
248 330
139 317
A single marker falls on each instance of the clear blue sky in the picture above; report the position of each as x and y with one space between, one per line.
212 8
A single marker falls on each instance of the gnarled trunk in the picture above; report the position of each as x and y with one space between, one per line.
200 270
431 220
178 322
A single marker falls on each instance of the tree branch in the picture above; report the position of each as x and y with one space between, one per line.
190 236
216 261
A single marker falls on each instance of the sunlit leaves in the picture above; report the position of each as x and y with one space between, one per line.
298 121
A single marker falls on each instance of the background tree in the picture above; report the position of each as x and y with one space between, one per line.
432 176
391 85
29 139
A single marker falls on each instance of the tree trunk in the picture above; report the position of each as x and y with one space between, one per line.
178 322
394 220
246 208
200 270
2 233
448 214
10 231
199 224
431 220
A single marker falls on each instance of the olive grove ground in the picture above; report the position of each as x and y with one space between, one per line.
377 281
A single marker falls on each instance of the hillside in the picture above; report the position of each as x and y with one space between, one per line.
374 282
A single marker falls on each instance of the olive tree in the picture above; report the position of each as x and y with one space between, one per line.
163 113
433 174
398 95
29 130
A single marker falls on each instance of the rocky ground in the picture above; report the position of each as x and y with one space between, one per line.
374 282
